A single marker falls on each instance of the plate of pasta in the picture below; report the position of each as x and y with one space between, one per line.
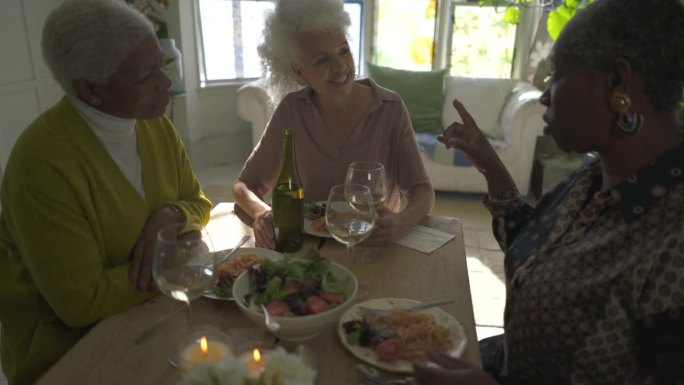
229 270
314 219
393 338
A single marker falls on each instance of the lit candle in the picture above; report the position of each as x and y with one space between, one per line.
255 365
203 352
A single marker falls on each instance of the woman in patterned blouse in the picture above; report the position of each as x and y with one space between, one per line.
595 272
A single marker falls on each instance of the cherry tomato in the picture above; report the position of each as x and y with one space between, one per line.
388 350
315 305
278 308
331 298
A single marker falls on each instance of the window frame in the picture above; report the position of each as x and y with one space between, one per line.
205 83
524 32
444 20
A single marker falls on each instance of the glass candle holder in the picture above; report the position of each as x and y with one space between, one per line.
203 347
255 363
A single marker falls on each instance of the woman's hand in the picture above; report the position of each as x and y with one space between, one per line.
467 136
391 226
140 271
388 228
264 236
452 371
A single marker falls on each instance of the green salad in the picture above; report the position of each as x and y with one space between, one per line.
299 284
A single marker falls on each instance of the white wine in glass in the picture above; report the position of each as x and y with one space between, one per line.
184 266
372 175
350 215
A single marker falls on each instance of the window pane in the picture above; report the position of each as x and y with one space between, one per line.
482 43
404 34
228 55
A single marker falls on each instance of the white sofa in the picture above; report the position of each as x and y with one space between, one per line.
507 110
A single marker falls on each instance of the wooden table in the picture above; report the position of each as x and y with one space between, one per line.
108 354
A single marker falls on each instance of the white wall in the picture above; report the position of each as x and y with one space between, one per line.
26 88
206 119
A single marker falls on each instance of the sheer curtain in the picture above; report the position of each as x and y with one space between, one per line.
537 67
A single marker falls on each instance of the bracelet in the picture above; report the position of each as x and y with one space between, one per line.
178 211
503 204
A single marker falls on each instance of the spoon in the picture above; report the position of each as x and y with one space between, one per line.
235 248
271 324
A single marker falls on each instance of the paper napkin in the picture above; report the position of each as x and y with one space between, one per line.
425 239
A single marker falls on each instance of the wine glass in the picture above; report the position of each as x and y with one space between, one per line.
184 266
350 215
372 175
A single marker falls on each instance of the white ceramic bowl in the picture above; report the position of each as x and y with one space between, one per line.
299 328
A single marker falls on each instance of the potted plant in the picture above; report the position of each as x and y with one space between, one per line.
559 15
152 9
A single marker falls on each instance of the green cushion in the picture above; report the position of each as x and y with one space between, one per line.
422 91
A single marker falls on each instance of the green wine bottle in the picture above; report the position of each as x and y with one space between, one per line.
288 200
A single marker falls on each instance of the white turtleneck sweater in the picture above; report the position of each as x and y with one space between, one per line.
119 138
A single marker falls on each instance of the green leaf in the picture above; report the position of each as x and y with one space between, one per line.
332 284
555 23
512 15
271 292
354 337
560 16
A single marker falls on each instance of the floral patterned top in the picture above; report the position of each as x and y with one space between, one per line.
595 279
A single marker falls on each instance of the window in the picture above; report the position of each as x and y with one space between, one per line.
230 31
481 42
478 41
404 34
472 40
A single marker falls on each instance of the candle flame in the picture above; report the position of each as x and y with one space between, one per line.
256 355
203 345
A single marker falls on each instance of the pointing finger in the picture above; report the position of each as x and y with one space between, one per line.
465 115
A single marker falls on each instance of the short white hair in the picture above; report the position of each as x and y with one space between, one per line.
283 25
90 39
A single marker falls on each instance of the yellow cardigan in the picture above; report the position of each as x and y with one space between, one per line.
69 222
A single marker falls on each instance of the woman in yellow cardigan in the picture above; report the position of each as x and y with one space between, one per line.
88 185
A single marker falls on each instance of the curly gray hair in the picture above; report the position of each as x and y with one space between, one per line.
283 25
90 39
648 34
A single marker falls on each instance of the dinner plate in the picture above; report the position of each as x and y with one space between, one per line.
369 356
263 253
308 228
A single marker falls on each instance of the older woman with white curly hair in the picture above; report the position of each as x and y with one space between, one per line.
88 185
337 120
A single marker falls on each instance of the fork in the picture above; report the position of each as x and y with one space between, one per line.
372 313
373 377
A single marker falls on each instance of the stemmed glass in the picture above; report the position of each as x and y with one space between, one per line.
372 175
350 215
184 266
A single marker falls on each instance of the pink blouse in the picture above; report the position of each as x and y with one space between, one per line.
385 135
